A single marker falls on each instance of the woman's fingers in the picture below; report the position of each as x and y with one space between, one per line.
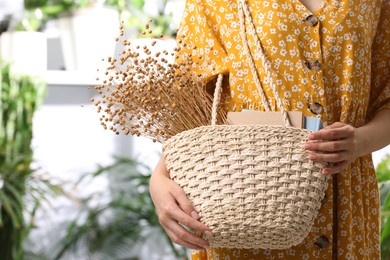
170 214
333 146
171 217
333 132
335 167
336 161
335 125
183 201
175 239
336 144
182 242
180 235
174 210
185 212
328 157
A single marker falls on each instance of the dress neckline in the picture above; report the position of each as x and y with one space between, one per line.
316 12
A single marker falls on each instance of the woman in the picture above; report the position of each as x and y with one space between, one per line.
333 56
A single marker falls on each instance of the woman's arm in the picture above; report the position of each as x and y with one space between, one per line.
173 207
376 134
342 144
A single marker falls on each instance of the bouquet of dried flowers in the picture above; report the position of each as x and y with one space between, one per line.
143 94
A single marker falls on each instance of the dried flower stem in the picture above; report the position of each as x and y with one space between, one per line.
152 97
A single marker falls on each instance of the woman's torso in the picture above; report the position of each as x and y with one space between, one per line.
321 58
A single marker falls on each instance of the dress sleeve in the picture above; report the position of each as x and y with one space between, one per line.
199 37
380 66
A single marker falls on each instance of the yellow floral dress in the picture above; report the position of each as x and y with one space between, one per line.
336 60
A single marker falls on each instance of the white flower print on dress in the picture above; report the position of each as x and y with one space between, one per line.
349 44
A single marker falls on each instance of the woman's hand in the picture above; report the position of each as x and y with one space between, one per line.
173 207
337 144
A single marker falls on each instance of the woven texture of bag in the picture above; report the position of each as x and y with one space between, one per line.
252 185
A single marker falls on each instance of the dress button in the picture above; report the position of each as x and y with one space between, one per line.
321 242
311 20
315 108
313 64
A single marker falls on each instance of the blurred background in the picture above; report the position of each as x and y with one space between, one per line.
68 188
80 192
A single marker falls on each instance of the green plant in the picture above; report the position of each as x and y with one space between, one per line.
114 228
53 8
38 12
383 174
160 24
20 189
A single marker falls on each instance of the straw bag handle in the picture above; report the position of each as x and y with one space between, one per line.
244 12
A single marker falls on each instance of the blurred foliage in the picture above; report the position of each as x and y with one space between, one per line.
383 169
50 8
21 188
38 12
383 174
113 223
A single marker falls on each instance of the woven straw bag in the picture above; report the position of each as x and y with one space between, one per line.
251 184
